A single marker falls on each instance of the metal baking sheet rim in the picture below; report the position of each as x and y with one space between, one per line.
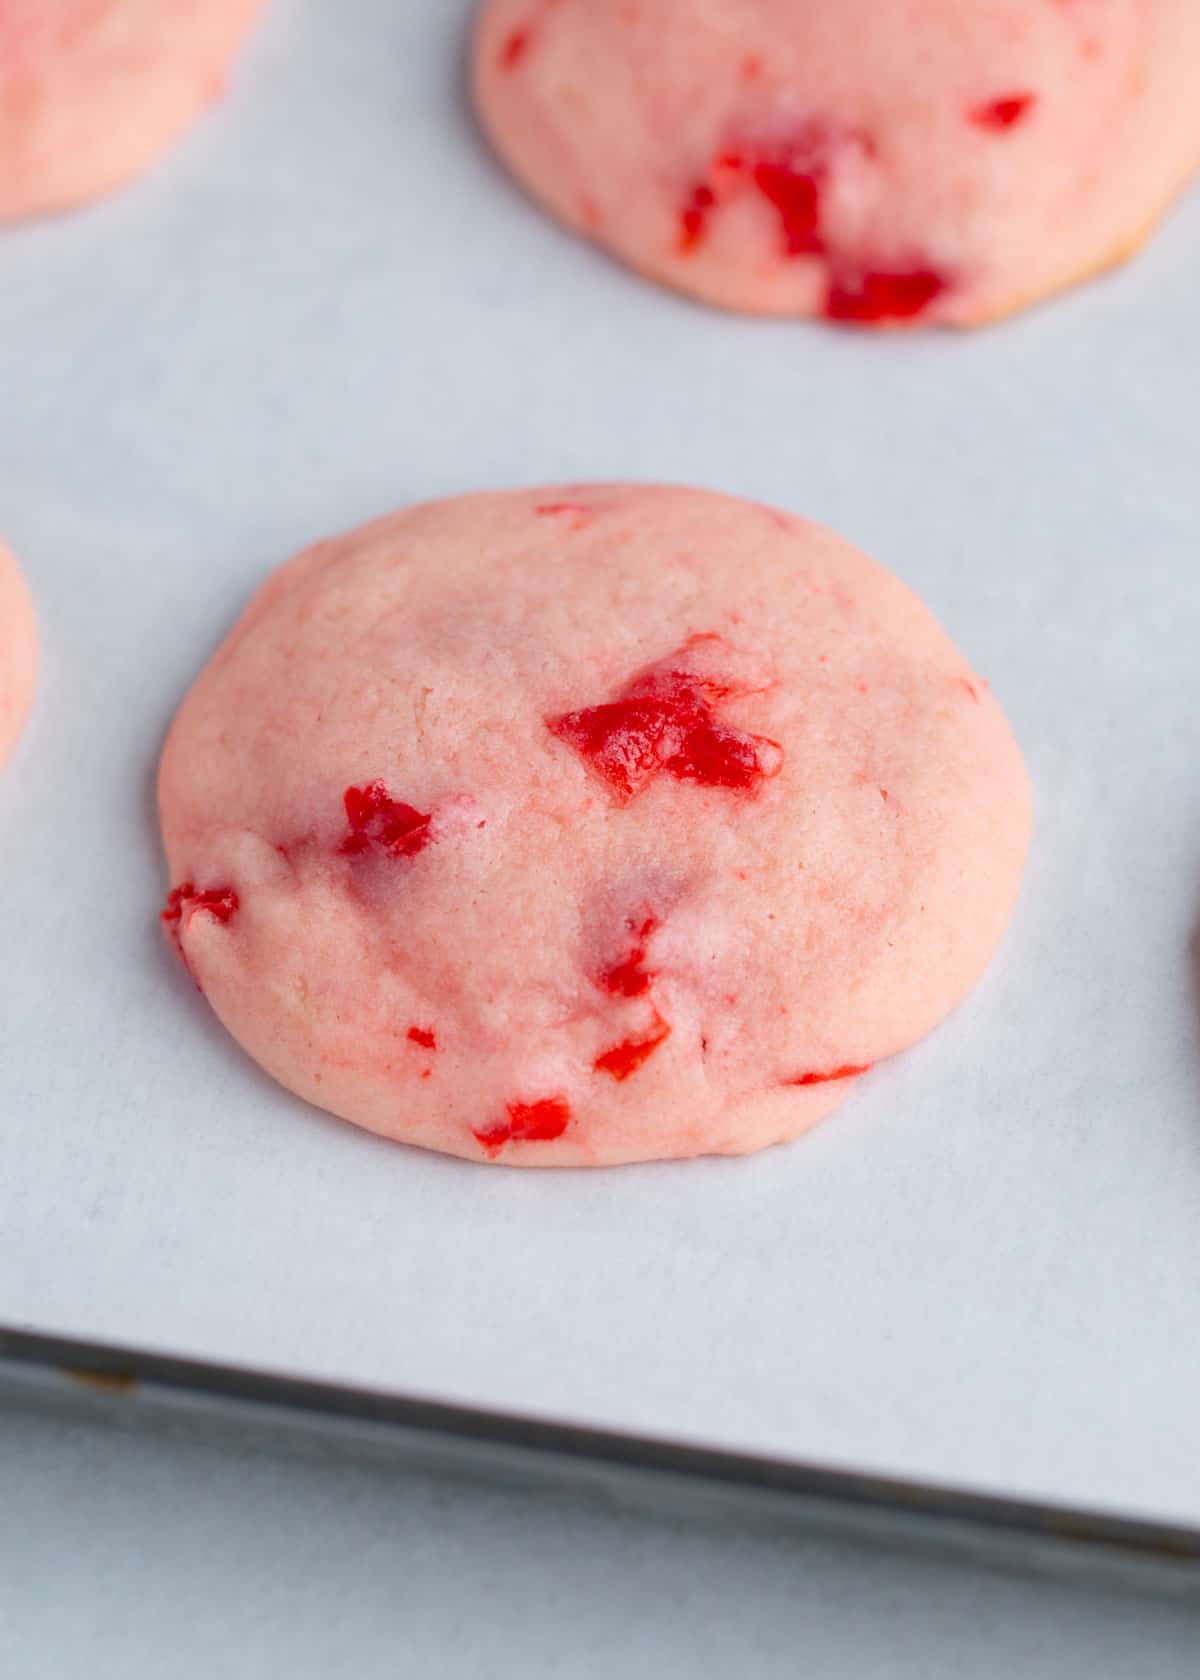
997 1531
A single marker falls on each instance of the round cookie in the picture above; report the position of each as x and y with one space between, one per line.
92 92
877 162
587 825
18 652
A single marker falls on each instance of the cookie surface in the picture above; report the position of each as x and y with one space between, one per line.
879 162
18 652
92 92
587 825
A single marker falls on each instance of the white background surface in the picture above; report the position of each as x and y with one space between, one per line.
146 1556
986 1268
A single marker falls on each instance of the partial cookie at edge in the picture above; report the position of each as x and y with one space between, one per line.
18 652
874 161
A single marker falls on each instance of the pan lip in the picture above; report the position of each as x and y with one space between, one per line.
123 1371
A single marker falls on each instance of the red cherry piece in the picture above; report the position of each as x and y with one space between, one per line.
795 193
664 723
826 1078
515 47
626 1058
873 296
221 902
1000 114
379 822
577 517
693 218
539 1122
790 172
630 977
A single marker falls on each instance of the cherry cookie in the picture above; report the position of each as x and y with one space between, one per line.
18 652
578 826
92 92
877 162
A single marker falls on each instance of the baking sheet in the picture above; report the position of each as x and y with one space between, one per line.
986 1268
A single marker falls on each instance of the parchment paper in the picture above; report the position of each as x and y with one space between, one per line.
330 302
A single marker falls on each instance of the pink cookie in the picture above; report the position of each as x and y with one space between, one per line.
878 162
18 652
92 92
587 825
